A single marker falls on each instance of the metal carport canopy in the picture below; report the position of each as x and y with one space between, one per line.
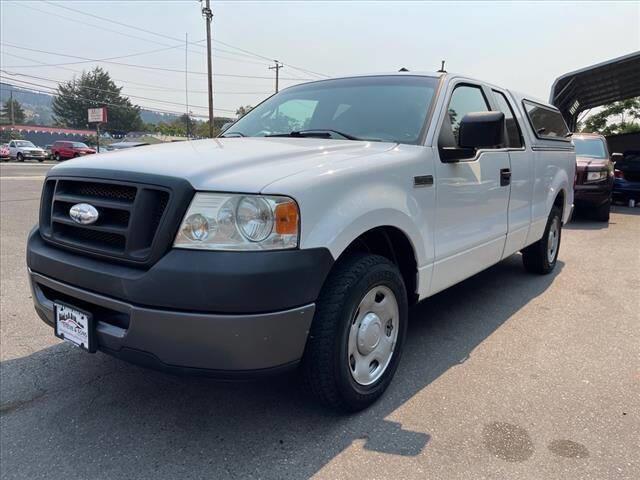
606 82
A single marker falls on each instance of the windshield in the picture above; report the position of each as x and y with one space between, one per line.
24 143
590 147
382 108
79 145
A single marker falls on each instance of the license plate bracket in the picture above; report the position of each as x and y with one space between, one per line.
74 325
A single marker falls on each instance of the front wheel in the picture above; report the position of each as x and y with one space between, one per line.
57 157
542 256
20 157
358 332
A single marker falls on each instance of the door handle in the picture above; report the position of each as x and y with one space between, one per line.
505 177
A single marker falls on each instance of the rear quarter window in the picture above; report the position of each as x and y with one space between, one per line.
547 123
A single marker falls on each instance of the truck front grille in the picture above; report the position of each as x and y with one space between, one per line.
130 216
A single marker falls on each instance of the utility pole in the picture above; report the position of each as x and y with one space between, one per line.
11 114
186 80
277 68
208 15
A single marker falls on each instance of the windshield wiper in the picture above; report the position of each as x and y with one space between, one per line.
315 132
232 134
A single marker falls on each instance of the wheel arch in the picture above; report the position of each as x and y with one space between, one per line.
394 244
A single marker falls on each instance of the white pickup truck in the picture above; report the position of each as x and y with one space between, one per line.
301 236
23 150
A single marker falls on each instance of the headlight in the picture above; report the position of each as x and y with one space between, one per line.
597 176
218 221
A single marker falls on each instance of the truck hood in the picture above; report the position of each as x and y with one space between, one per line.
229 164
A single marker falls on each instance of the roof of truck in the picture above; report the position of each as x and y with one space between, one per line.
516 94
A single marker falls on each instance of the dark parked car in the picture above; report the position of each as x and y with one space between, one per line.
627 177
63 150
594 175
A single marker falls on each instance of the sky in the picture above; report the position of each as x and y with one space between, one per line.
523 46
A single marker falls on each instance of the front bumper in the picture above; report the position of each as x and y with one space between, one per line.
592 195
192 313
33 155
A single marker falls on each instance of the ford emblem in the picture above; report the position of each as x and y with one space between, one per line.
83 213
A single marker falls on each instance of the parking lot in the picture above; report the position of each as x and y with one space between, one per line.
506 375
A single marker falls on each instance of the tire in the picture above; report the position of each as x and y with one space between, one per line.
328 366
75 155
20 157
538 258
57 157
40 160
602 212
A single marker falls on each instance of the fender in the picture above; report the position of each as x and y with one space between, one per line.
349 217
558 183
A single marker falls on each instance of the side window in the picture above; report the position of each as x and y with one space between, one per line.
464 99
546 122
514 135
12 144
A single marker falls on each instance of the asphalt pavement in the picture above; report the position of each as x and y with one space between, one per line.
505 376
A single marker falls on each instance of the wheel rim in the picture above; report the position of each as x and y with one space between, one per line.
553 240
373 335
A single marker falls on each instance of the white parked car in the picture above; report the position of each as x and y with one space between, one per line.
302 235
23 150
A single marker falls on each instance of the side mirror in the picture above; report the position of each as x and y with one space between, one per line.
616 157
225 126
481 129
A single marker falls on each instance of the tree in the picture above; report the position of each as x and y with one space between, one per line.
7 135
615 118
243 110
18 113
94 89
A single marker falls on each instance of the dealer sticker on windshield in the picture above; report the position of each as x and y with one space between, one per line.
74 326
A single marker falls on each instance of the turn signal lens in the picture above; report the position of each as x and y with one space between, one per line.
287 218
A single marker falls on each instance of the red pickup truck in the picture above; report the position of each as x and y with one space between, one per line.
63 150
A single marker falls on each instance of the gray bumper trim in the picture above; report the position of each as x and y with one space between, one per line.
221 342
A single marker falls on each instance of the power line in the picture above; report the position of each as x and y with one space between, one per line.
148 85
151 32
267 58
48 92
137 28
75 20
147 67
102 90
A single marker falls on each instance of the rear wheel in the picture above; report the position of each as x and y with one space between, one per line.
542 256
57 157
20 157
357 334
602 212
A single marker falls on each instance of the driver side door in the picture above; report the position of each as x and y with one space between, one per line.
472 194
